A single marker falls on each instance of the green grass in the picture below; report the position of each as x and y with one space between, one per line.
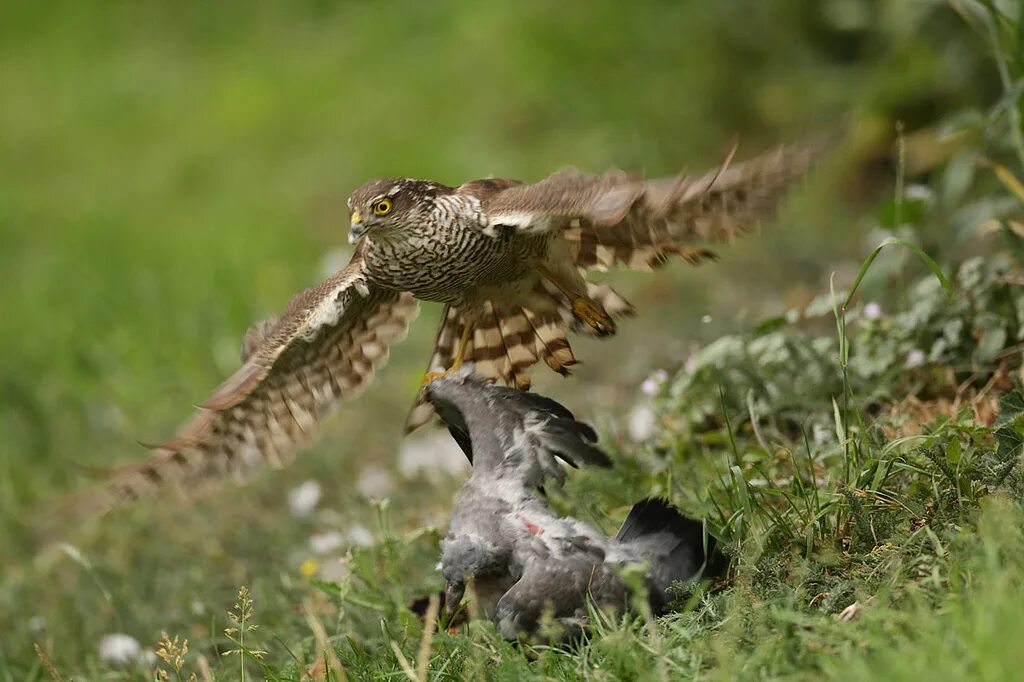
169 176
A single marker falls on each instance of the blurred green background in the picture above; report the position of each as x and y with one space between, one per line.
172 172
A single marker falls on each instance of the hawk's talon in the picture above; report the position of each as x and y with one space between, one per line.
467 334
592 315
430 376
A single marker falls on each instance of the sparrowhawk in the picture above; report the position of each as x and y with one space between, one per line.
508 260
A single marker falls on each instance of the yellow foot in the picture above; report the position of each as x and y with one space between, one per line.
430 376
592 315
467 333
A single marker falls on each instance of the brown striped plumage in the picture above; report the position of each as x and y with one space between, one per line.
506 258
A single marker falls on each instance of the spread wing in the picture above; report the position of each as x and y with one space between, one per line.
514 433
619 219
323 349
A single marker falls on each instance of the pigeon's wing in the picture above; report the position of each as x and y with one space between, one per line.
558 587
324 349
457 427
549 437
532 401
517 433
619 219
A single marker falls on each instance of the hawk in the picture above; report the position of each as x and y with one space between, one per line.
508 260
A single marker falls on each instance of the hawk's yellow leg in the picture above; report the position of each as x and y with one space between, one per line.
585 309
467 334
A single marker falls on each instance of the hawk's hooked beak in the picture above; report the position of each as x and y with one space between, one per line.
356 228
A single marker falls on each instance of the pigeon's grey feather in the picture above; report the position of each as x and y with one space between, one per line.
499 419
673 548
522 559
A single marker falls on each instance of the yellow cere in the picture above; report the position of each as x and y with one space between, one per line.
356 218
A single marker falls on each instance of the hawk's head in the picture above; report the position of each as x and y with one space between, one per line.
391 205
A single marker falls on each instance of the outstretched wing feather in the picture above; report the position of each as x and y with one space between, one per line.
617 219
324 349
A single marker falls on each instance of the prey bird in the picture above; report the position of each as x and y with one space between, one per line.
508 260
524 561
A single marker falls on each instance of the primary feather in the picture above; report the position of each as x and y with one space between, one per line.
506 258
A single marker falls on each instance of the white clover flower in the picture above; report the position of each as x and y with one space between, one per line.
334 571
915 358
326 542
303 498
360 536
652 383
919 192
821 434
641 423
374 483
432 454
690 366
119 649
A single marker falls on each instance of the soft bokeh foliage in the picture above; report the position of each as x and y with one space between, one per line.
172 172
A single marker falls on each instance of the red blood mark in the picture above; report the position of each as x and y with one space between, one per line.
530 525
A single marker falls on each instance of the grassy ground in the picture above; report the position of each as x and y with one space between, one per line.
170 176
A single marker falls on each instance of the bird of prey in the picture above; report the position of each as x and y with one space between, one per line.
508 260
522 559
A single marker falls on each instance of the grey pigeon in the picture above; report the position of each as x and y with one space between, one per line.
515 441
524 560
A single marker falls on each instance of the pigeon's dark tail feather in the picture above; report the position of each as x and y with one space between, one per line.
677 548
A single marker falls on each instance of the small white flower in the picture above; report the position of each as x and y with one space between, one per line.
691 364
652 383
431 454
325 543
915 358
360 536
374 483
334 571
706 319
872 311
119 649
303 498
641 423
874 237
821 434
919 192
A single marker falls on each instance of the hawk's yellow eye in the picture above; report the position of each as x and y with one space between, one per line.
382 207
